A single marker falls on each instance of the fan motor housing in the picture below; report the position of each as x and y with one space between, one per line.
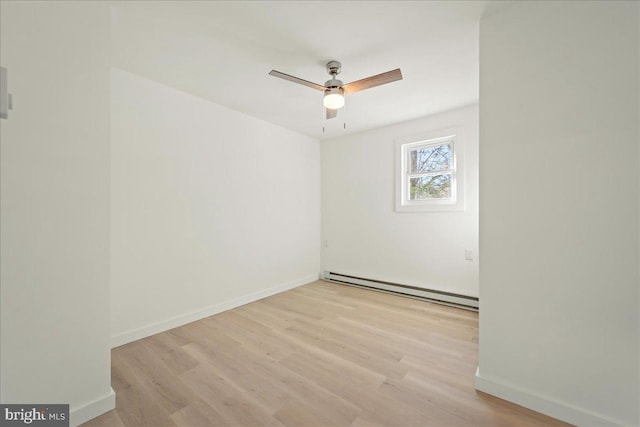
333 83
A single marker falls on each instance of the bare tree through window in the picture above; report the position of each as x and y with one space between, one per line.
430 172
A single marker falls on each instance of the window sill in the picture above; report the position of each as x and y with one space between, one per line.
431 206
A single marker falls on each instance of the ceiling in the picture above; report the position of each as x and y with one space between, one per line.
223 51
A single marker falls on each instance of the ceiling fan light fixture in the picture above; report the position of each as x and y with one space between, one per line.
333 98
334 89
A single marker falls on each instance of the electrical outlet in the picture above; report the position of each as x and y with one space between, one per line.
468 254
325 243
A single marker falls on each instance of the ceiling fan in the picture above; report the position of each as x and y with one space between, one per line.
334 89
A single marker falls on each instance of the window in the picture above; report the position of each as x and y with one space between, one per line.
430 170
428 175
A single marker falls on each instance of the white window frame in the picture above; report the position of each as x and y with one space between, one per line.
404 147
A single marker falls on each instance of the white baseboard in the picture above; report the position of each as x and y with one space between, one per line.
185 318
93 409
544 404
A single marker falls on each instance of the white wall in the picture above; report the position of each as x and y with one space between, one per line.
54 195
559 213
210 208
367 238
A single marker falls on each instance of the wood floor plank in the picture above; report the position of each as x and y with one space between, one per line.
318 355
235 406
331 341
110 419
303 415
135 407
154 377
196 414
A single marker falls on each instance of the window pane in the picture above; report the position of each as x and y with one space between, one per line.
431 158
430 187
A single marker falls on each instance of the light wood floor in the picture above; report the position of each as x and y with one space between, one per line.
318 355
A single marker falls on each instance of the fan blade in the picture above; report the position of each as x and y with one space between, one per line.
312 85
331 113
373 81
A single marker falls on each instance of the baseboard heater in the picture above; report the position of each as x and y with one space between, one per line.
439 297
